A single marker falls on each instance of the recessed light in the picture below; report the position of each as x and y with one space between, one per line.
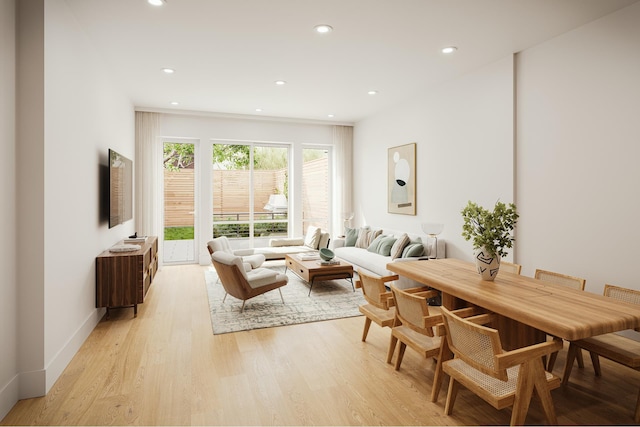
156 2
168 70
174 102
330 115
280 82
323 28
373 92
258 110
449 49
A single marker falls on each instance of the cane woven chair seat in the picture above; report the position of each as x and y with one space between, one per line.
483 367
413 324
379 308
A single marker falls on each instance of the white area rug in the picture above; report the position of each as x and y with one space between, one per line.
331 299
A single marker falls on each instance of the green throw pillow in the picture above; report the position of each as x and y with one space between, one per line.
384 248
413 250
351 236
373 246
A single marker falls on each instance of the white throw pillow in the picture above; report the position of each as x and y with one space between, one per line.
399 245
312 239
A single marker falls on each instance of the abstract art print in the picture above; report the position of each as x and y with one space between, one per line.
402 179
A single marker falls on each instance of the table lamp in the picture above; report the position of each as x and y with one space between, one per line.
432 229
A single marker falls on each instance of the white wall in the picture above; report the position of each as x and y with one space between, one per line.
8 224
578 149
202 129
464 135
85 115
68 114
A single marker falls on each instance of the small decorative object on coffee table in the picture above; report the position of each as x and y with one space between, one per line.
312 270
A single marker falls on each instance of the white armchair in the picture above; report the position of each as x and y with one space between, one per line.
248 257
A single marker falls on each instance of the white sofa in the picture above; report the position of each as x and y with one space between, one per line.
376 263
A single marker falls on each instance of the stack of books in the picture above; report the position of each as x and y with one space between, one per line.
330 262
309 256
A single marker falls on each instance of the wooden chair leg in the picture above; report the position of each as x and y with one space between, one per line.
451 396
445 354
365 332
580 359
552 361
636 416
524 390
571 355
392 347
595 361
401 350
543 392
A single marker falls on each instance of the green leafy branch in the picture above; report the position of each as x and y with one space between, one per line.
490 229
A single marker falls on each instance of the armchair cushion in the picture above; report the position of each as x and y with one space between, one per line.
295 241
312 238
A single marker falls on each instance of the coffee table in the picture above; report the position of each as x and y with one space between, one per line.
311 270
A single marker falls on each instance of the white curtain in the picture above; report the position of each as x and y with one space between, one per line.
343 182
146 167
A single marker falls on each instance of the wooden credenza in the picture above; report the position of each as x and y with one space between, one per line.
123 278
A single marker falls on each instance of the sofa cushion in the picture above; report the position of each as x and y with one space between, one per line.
373 246
312 238
399 245
413 250
384 248
350 236
363 238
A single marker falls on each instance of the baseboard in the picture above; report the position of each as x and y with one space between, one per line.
9 396
62 359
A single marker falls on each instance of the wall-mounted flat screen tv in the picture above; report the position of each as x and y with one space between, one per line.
120 188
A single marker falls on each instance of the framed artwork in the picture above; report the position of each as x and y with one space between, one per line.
401 190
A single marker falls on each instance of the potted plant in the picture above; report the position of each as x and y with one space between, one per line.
490 233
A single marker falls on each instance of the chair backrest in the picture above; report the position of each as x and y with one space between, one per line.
412 310
232 274
622 294
561 279
475 344
510 267
374 290
219 244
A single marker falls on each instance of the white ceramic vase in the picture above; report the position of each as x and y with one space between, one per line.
486 264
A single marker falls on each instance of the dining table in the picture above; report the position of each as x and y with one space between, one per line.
528 310
541 307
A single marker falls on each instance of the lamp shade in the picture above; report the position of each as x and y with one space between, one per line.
432 229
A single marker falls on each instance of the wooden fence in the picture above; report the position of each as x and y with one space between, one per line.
231 192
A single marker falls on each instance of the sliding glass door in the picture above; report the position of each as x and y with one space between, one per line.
250 190
179 172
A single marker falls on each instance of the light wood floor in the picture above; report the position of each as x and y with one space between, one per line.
167 368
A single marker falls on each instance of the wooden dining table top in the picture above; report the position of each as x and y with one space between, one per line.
555 309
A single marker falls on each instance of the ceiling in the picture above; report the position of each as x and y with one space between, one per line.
227 54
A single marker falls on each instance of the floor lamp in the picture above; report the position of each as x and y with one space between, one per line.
432 229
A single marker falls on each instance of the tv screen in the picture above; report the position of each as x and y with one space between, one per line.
120 188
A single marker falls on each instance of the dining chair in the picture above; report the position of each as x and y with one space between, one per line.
510 267
413 324
564 280
612 346
380 305
501 378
